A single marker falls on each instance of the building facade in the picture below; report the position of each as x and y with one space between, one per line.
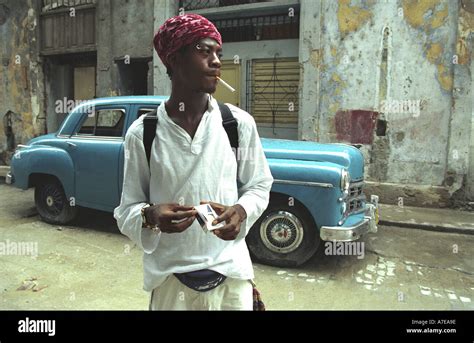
392 77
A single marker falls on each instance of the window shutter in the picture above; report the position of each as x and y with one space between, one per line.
273 91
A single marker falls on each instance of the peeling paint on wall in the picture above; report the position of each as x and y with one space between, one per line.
35 106
21 77
423 13
435 55
434 52
465 30
439 18
31 19
428 15
315 58
445 77
351 17
339 83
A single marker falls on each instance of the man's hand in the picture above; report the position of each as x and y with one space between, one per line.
163 215
233 217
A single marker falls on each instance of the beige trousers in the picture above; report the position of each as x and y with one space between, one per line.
232 294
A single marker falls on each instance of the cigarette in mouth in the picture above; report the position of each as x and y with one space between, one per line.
229 87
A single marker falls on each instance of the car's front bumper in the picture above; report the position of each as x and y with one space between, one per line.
9 179
351 233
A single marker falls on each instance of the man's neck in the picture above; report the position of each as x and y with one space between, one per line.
187 106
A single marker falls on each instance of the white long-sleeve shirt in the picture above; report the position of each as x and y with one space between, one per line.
188 170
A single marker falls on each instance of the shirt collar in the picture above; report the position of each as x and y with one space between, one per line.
211 106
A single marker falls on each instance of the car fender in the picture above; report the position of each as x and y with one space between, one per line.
314 184
43 159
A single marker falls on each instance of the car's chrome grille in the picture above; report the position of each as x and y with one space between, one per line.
354 205
356 198
356 189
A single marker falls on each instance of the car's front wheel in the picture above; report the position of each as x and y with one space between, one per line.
285 235
51 202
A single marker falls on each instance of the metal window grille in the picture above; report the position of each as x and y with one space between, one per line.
267 27
200 4
272 90
48 5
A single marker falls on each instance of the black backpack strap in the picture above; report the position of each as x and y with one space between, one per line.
230 126
149 131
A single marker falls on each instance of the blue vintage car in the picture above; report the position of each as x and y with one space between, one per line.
317 193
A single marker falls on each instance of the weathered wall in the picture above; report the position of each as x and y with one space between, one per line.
162 10
460 174
58 83
470 179
399 53
125 27
132 28
21 77
309 58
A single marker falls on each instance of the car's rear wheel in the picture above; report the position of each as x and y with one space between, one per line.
51 202
284 236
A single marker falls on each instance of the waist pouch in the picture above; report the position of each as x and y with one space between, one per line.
201 280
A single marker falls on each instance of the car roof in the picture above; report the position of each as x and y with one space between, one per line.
129 99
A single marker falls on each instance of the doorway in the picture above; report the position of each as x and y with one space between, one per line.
84 83
133 76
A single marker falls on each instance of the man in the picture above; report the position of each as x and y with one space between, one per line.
192 163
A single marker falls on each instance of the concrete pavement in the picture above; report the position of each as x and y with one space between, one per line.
90 265
434 219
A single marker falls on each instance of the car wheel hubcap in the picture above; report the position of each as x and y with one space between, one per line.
49 201
53 200
281 232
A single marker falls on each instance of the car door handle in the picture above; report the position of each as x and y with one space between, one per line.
71 144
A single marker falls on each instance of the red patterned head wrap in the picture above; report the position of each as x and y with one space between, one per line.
182 30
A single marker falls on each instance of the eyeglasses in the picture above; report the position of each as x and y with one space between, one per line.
205 50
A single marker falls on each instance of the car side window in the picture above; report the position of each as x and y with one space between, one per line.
88 126
104 123
143 111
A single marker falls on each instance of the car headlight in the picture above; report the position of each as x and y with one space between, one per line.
345 181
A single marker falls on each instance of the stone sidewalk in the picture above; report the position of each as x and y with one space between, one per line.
434 219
